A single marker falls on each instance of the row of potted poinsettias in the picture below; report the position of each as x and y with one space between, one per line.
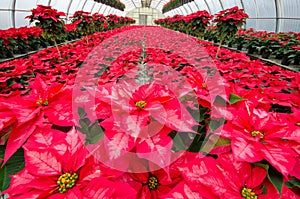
113 3
226 24
284 46
235 131
172 4
224 29
51 29
193 24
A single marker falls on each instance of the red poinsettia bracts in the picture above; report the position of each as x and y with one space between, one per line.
224 177
53 104
256 135
58 166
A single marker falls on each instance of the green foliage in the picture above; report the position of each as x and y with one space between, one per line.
12 166
93 132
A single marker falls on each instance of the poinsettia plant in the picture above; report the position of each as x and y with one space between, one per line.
49 20
228 21
83 22
197 23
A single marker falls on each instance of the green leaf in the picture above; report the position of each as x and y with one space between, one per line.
84 123
215 124
81 112
220 100
293 183
95 134
234 98
223 142
14 165
276 178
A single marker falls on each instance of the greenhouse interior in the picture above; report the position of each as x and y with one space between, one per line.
148 99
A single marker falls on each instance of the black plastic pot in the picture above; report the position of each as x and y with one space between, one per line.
285 61
251 50
278 57
9 54
297 61
239 47
266 54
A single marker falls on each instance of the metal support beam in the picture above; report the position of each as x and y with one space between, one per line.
93 7
13 14
68 10
83 5
189 7
196 5
207 6
278 14
221 4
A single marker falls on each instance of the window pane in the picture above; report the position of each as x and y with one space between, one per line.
96 8
187 9
250 8
76 5
6 4
193 6
201 5
88 6
5 19
25 5
42 2
214 6
231 3
60 5
20 19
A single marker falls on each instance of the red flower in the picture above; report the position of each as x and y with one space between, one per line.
155 183
256 135
141 102
53 103
224 177
56 166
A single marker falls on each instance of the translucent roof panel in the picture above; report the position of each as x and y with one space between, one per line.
202 5
76 5
289 15
214 6
231 3
60 5
193 6
158 4
131 4
187 8
6 19
88 6
96 8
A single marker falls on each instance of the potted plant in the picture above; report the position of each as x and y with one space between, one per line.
227 22
49 20
197 23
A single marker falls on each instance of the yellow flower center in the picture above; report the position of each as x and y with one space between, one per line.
298 124
141 104
204 85
255 133
153 183
41 102
248 193
67 181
